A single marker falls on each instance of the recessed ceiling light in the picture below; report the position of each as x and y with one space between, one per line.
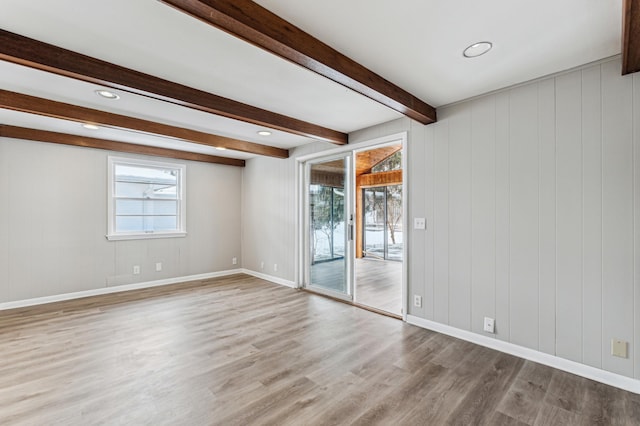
90 126
264 133
221 148
107 94
477 49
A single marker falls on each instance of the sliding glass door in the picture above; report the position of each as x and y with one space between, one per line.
382 222
330 226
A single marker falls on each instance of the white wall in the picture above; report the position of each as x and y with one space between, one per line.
269 217
53 221
269 210
532 200
532 196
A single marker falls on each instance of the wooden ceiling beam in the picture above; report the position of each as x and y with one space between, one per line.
86 142
255 24
631 37
48 108
47 57
392 177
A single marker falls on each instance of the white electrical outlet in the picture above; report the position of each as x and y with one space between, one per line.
275 267
158 266
234 260
489 325
417 301
419 223
261 265
136 269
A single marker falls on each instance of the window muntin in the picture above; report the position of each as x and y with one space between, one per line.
146 199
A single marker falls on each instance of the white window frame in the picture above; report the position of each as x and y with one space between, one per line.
112 235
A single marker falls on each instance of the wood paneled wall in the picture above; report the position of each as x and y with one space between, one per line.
532 199
53 222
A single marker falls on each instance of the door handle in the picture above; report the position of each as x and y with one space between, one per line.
350 232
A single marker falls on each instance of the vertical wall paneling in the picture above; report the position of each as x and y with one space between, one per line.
416 154
617 215
4 223
269 210
523 140
532 200
441 222
460 217
569 215
269 217
636 226
591 217
80 246
292 220
502 293
54 211
21 217
483 199
249 222
429 188
547 196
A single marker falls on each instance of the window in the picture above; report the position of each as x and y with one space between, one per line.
393 162
146 199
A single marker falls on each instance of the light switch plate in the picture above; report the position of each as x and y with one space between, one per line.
419 223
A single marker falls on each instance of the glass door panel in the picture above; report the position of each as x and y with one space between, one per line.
383 222
394 222
330 226
374 226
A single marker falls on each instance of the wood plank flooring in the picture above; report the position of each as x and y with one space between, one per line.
379 284
239 350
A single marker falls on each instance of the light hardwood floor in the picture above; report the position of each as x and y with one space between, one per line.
379 284
239 350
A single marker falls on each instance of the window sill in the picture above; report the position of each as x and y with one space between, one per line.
145 236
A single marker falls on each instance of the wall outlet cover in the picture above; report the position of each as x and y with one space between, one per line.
417 301
619 348
489 325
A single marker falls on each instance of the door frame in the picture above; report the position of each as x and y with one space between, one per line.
301 201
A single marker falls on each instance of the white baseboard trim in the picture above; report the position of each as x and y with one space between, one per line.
602 376
271 278
114 289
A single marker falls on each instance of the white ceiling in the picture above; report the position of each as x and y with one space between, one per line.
416 44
